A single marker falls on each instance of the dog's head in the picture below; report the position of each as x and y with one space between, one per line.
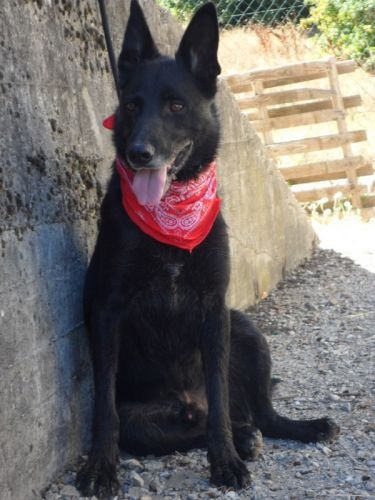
166 124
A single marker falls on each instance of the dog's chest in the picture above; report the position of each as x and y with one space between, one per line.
169 287
159 279
165 310
173 275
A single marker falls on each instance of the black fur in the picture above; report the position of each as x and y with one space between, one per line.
174 368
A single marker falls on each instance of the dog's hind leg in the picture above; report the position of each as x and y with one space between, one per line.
246 353
161 428
251 388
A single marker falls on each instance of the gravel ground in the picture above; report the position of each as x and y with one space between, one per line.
320 324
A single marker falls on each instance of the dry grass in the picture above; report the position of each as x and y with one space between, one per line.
242 49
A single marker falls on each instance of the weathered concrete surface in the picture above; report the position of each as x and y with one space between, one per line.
55 88
269 232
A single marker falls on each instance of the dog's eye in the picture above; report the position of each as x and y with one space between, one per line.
130 107
176 106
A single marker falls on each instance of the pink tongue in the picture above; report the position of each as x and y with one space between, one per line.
148 185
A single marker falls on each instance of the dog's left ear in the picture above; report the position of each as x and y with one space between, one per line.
138 44
198 47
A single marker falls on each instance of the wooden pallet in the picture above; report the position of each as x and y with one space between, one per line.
287 108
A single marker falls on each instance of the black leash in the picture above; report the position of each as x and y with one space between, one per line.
108 42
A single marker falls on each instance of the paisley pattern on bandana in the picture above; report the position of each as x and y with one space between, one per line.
185 214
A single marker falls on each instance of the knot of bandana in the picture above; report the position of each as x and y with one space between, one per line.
185 214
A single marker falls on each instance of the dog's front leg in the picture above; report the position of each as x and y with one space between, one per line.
98 476
227 469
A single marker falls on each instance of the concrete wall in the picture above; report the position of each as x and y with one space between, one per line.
55 87
269 232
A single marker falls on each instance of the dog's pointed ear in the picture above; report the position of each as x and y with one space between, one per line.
199 45
138 44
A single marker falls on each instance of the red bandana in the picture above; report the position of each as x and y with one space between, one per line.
109 122
184 216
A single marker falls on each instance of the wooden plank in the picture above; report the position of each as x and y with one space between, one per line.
315 143
284 71
368 201
343 129
342 68
349 102
329 192
326 170
243 82
282 97
297 120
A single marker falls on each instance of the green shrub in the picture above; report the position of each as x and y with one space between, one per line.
347 27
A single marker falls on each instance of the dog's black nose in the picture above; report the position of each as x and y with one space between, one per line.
141 154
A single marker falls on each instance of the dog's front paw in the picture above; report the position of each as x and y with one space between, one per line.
230 472
247 440
98 478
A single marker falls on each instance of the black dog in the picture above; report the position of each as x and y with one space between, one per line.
174 368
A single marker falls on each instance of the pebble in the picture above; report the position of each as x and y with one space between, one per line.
69 490
132 464
135 479
134 493
334 397
183 479
327 451
212 493
347 407
154 465
155 485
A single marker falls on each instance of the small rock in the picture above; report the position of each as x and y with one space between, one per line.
334 397
231 494
213 493
347 407
155 486
327 451
132 464
51 496
154 466
272 486
135 479
362 454
311 307
69 491
305 471
183 479
135 493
